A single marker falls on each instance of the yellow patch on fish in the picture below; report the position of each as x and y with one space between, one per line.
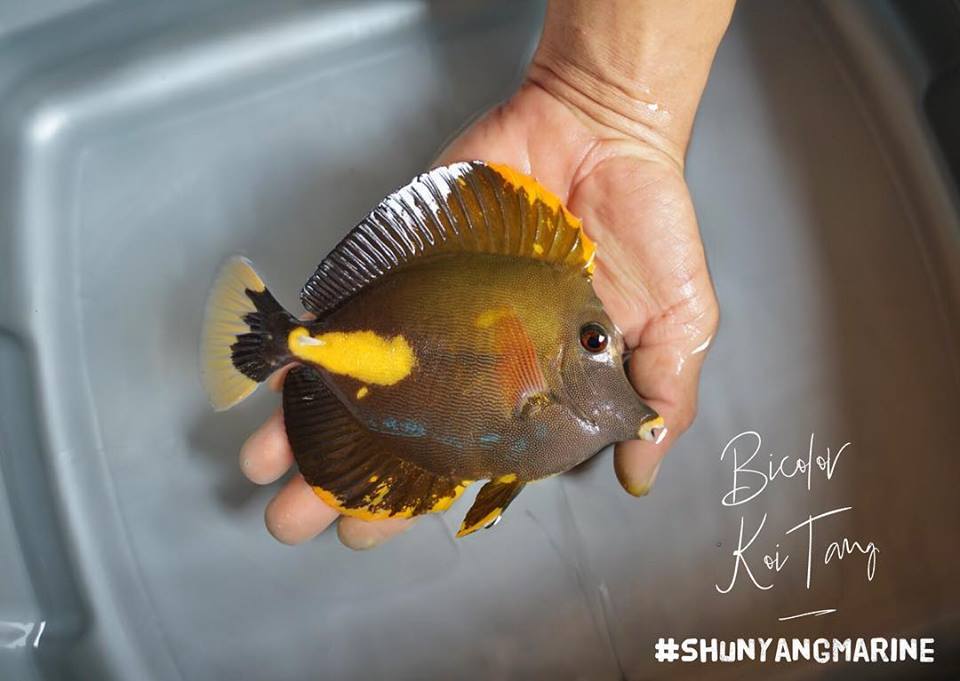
363 392
443 503
379 494
483 522
653 430
381 491
362 355
488 318
333 502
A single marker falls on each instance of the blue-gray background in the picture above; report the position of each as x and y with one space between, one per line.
140 143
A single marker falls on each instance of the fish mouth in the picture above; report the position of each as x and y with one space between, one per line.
653 430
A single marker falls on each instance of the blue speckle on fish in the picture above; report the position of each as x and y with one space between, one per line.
413 428
451 441
489 438
403 428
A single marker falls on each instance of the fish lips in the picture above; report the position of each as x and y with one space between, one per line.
652 426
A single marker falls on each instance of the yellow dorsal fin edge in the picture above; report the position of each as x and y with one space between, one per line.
534 192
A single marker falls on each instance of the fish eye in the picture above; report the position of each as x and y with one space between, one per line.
593 338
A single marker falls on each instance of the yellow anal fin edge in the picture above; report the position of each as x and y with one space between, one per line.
372 507
491 502
349 468
559 238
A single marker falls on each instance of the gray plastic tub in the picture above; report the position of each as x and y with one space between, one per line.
140 143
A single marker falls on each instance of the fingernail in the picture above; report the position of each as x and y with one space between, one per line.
642 487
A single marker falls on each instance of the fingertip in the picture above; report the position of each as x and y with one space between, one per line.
637 464
266 455
296 514
361 535
275 380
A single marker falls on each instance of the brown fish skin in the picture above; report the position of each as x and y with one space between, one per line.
463 315
457 338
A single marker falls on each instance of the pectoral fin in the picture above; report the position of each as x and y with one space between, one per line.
535 403
524 386
492 500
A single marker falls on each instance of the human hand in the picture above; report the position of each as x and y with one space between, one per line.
617 163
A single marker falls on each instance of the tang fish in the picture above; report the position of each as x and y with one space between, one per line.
456 338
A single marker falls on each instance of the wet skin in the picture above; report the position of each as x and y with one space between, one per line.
651 276
462 412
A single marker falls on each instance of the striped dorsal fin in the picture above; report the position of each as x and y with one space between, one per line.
464 207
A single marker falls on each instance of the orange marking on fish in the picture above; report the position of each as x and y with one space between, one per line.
517 363
528 185
534 191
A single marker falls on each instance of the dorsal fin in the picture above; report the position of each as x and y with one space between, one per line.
474 207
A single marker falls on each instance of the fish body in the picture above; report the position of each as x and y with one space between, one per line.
457 338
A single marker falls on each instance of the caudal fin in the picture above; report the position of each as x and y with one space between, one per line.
244 334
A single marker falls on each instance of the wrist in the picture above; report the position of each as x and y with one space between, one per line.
636 67
606 109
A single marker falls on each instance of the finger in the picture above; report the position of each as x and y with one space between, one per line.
363 534
275 380
266 454
669 382
296 514
637 465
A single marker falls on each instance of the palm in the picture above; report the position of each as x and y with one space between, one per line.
650 275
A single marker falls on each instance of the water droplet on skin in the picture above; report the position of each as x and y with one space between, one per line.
703 346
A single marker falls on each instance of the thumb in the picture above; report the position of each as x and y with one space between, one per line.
667 379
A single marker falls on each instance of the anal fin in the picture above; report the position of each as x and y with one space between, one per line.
491 502
350 468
